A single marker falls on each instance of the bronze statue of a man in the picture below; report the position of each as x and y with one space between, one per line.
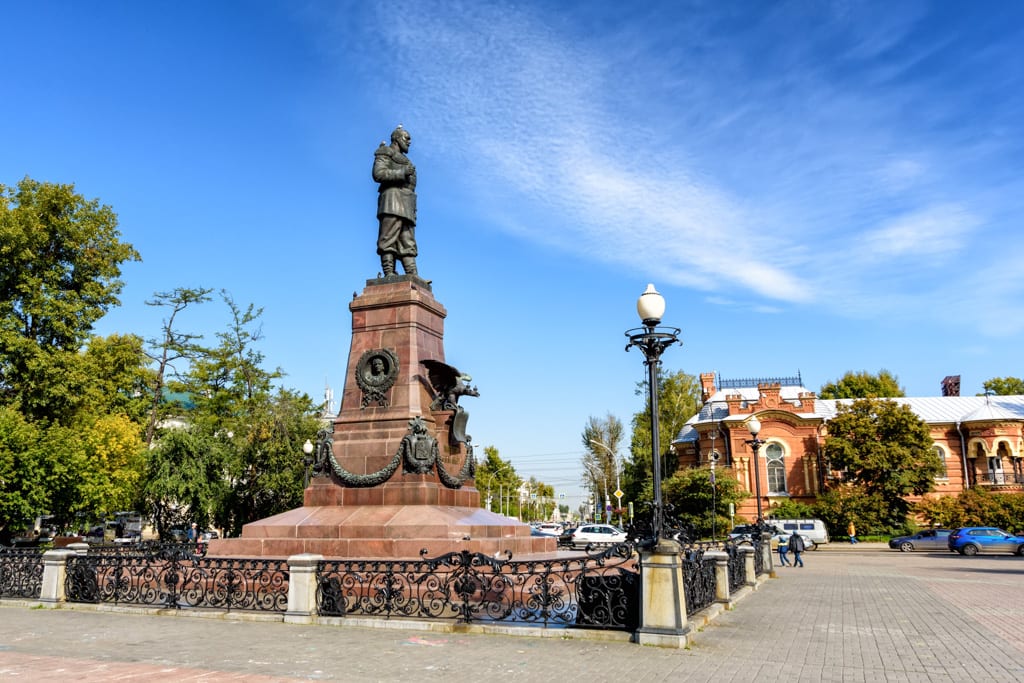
396 206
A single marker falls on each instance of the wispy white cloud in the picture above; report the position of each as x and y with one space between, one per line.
925 233
822 171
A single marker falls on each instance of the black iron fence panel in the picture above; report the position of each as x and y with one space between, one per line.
21 573
175 577
600 590
737 568
759 545
698 580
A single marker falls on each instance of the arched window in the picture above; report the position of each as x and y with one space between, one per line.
776 468
944 472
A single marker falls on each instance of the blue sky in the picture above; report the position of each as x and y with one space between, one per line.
814 187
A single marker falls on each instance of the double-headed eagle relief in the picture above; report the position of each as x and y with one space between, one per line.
448 384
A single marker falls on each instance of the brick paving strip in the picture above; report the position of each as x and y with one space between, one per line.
862 614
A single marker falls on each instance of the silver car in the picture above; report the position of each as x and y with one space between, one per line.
928 539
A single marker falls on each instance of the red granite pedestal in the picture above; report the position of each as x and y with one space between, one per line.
408 512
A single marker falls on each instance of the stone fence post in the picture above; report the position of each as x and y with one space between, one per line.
766 553
748 561
302 588
721 559
663 597
55 571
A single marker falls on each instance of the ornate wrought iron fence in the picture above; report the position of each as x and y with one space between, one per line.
698 579
176 577
737 568
21 572
593 591
758 543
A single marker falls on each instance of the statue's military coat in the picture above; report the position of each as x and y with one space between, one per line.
397 187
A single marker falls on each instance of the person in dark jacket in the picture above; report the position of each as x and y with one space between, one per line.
796 546
783 549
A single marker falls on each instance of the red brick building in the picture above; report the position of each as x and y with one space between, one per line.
979 438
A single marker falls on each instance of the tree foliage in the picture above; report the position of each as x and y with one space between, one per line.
699 500
863 385
976 506
244 437
678 400
22 467
496 478
93 469
172 346
1004 386
264 464
60 268
839 506
885 450
602 439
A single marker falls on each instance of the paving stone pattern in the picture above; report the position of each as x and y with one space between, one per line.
857 615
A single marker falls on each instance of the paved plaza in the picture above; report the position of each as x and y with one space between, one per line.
852 614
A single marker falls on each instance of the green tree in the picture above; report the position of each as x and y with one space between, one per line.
93 468
678 401
185 478
697 500
249 433
863 385
976 506
498 478
172 346
540 505
602 439
265 466
885 450
23 491
1004 386
60 268
839 506
118 377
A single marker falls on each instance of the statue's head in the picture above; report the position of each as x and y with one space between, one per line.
400 136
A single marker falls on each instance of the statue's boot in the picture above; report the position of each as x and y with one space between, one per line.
409 264
387 264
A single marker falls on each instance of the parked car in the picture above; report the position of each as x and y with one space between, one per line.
783 539
550 529
927 539
597 534
814 529
744 533
971 540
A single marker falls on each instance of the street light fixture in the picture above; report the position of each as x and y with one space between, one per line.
754 425
653 341
307 461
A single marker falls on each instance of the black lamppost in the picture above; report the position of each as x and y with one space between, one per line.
653 341
754 425
307 460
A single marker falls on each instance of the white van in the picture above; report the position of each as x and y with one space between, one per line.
812 530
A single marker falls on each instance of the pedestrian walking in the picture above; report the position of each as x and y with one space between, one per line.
783 550
851 531
796 546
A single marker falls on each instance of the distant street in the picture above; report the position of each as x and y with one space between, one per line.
849 615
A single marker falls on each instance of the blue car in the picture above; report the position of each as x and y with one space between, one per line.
971 540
